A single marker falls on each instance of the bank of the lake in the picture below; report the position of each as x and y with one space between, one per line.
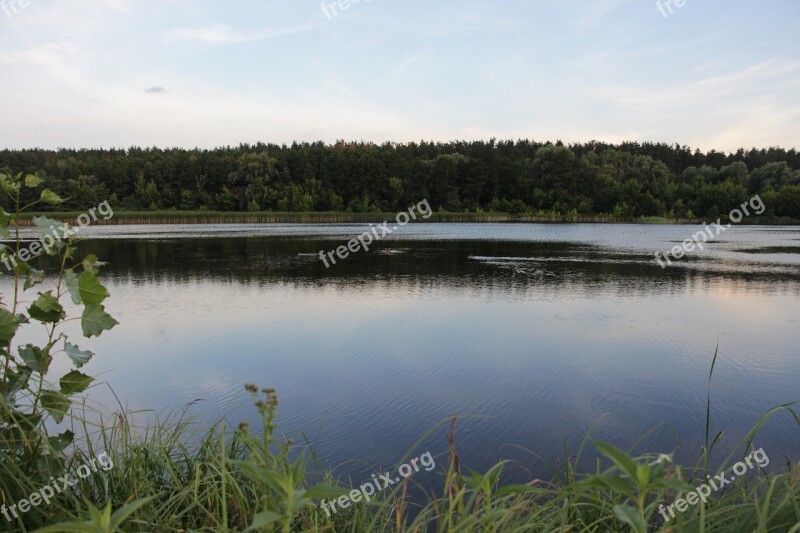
334 217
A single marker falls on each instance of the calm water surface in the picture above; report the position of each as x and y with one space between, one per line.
530 332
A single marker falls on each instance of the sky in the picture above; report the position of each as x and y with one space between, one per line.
716 74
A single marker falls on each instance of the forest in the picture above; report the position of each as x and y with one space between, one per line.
625 181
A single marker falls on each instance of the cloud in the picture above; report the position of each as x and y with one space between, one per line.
155 90
224 34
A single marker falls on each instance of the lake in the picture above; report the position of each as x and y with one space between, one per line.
530 332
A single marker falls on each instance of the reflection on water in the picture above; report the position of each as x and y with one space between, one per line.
538 329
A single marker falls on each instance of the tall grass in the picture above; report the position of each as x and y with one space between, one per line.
230 478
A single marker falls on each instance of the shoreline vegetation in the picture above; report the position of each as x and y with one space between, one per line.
166 478
480 181
338 217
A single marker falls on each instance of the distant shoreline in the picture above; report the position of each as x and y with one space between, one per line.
230 217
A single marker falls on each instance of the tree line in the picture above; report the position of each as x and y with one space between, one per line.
625 180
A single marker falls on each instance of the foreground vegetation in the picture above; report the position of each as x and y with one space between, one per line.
624 181
170 475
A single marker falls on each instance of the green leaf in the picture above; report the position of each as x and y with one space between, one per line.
23 267
630 516
46 308
36 359
78 356
71 281
9 184
73 527
91 263
618 457
656 472
33 181
297 505
273 480
95 320
56 404
47 301
49 197
16 381
75 382
102 519
70 527
263 519
33 278
612 483
51 227
324 491
99 520
59 442
9 323
5 219
642 474
91 290
124 512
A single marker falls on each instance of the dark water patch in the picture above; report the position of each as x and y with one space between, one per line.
772 250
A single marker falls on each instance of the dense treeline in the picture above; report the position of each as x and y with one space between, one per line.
626 180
